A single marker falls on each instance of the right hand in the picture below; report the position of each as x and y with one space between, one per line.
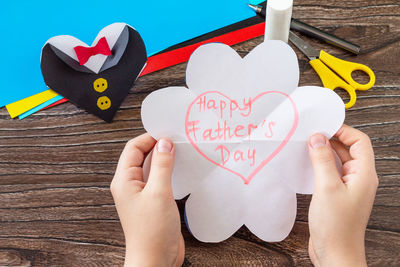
342 203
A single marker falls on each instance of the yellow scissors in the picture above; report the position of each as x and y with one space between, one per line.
334 72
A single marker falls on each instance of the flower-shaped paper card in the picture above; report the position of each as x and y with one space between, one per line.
96 78
241 132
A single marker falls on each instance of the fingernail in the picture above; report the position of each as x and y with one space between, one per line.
164 146
317 141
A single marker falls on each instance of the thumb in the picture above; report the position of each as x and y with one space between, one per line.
162 165
324 163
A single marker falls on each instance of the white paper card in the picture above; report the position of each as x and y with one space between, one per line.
241 130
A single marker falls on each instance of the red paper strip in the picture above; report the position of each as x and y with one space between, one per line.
56 103
180 55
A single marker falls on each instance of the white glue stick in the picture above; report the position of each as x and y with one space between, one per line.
278 18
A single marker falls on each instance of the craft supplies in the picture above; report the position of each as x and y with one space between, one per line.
278 19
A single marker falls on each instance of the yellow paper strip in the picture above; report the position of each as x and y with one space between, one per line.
17 108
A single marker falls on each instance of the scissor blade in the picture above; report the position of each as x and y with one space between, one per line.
303 46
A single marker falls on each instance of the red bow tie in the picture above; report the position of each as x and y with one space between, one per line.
84 53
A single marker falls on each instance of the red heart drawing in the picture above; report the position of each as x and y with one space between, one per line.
269 157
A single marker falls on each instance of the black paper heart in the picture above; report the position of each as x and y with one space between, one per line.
100 94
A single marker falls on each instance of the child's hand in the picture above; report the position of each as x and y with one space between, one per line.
148 212
341 204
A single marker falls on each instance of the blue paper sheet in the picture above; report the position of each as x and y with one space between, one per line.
26 26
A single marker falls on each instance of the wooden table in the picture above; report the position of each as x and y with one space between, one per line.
56 166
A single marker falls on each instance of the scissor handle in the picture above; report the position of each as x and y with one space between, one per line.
346 68
332 81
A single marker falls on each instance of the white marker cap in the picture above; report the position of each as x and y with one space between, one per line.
278 18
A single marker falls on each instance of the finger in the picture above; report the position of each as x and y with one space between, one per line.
134 151
359 143
162 165
128 180
350 167
361 173
341 150
129 164
324 164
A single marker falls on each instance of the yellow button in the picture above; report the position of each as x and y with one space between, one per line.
100 85
104 103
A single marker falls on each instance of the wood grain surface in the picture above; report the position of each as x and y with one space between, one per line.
56 166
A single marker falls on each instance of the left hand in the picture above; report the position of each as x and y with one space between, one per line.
148 212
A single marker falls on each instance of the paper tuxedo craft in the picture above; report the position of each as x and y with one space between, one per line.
96 78
240 131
